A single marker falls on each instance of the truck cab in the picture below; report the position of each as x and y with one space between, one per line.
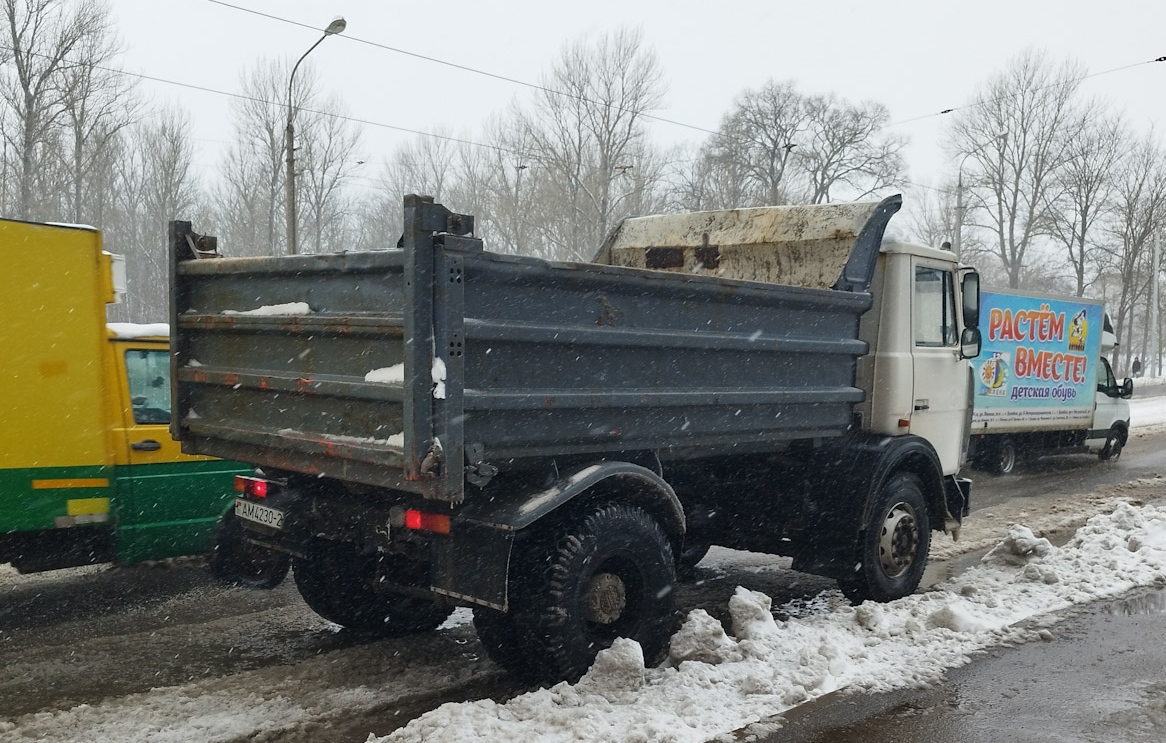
923 330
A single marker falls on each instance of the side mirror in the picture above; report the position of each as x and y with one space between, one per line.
970 291
1127 389
970 342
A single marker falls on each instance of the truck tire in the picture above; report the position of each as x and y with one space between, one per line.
337 583
236 561
893 547
1114 443
1004 457
606 575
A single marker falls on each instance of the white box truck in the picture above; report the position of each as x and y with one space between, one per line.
1043 385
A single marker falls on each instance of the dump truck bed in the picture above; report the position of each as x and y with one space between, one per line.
422 367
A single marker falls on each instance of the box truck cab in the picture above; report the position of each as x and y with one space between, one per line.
1043 384
88 471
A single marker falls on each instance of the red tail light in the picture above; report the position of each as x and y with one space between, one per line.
251 486
438 523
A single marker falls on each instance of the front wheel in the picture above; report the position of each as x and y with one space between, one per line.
893 547
1114 443
337 583
577 588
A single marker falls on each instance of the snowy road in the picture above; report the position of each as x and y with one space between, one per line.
161 653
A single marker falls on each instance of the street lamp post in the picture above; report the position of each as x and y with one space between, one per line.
336 26
960 207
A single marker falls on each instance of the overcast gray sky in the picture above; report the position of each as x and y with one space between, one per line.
919 58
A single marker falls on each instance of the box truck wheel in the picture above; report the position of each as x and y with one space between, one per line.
893 548
236 561
1114 443
1004 457
580 585
338 583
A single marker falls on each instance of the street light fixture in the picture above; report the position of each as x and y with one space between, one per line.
960 208
336 26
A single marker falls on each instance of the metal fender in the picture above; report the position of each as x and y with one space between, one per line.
473 564
517 509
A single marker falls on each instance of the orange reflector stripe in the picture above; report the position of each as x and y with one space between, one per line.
438 523
76 482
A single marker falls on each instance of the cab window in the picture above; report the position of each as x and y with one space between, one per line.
935 323
1106 382
148 373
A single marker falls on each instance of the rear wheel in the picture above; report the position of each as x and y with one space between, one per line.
236 560
1005 457
893 548
575 590
338 583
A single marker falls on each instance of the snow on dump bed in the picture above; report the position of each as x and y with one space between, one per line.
715 682
793 245
288 308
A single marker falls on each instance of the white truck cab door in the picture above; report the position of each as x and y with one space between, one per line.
1109 407
942 380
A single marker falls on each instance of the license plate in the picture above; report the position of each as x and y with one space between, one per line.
258 514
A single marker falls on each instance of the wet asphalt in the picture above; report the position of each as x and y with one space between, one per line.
1095 676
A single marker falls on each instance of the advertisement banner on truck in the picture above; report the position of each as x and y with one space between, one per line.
1039 363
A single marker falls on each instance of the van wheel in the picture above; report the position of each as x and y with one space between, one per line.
337 583
1004 457
1114 443
237 561
893 547
574 591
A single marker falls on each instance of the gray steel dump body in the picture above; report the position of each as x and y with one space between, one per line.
423 367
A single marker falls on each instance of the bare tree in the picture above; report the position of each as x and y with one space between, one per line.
98 104
155 183
1032 102
251 198
1139 210
757 140
1083 190
43 36
586 131
779 146
426 165
498 186
328 161
847 151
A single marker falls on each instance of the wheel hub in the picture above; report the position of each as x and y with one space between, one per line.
606 598
898 540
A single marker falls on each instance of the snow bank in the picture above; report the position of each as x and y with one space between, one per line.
715 682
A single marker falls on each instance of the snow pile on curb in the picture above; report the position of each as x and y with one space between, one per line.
715 683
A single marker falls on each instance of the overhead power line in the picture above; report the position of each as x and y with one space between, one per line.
1046 87
465 68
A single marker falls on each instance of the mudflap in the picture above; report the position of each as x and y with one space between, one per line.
474 565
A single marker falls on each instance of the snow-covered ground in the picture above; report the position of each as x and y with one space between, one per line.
714 682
